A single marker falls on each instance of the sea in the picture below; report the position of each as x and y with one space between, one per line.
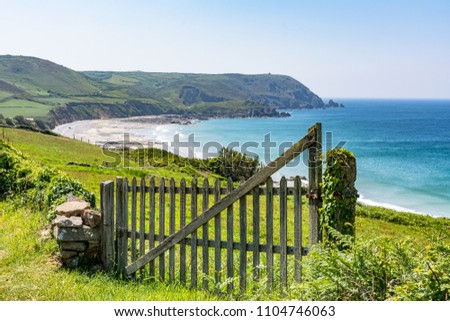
402 147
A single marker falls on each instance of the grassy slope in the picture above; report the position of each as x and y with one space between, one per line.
27 270
29 86
235 88
39 77
12 107
58 151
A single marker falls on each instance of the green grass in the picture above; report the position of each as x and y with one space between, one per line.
122 80
28 270
4 94
38 76
26 108
58 151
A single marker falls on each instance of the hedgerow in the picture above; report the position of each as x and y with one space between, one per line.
29 183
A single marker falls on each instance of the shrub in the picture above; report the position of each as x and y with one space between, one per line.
380 269
233 164
10 122
30 184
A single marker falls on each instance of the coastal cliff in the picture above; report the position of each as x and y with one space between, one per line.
39 93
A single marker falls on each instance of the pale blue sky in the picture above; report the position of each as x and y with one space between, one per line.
348 48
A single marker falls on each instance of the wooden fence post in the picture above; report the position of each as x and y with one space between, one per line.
315 179
107 209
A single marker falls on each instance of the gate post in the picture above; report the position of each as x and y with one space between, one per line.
107 210
315 181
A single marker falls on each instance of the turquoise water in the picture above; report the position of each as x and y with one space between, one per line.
402 146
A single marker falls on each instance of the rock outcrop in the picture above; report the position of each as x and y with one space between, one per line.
333 104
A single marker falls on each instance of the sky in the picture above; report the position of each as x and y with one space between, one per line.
346 48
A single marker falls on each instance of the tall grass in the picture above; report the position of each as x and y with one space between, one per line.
30 270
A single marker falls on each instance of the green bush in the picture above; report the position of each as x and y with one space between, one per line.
233 164
380 269
31 184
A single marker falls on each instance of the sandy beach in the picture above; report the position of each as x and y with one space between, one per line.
118 130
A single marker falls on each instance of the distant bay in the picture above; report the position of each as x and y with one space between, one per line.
402 146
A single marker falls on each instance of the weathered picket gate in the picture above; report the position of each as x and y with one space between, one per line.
140 227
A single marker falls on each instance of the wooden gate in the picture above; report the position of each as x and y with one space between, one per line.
152 230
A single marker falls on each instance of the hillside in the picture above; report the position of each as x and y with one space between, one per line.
53 94
221 90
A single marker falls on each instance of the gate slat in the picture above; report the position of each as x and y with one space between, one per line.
172 230
283 233
142 222
205 250
256 232
152 223
162 225
194 234
124 257
133 222
217 235
269 233
182 224
119 224
230 260
298 229
243 243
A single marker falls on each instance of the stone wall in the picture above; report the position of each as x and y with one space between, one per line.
77 230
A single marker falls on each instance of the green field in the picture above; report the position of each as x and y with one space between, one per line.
390 243
13 107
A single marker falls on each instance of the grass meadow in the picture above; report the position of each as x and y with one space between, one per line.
29 269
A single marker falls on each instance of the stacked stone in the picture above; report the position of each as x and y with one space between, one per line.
77 231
